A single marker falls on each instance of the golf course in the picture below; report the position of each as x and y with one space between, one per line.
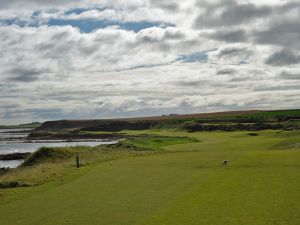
164 177
150 112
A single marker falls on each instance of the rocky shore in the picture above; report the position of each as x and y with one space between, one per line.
74 136
14 156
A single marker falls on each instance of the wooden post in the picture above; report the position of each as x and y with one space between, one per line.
77 161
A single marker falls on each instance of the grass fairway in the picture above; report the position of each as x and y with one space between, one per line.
185 185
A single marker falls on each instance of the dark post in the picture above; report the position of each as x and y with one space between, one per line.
77 161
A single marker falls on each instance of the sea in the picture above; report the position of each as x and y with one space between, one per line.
14 141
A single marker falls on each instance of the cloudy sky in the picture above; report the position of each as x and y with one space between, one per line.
119 58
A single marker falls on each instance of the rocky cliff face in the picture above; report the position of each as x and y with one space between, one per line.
130 123
96 125
237 120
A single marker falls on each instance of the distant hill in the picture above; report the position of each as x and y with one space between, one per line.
21 126
248 120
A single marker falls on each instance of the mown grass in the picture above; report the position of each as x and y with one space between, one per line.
184 184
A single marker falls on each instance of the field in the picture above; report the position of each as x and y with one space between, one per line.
182 183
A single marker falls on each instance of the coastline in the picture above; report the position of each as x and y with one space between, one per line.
14 156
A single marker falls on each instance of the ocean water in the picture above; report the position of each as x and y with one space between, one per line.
14 141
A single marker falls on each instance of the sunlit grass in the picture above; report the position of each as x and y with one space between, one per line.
186 183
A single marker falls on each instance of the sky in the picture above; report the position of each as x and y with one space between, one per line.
98 59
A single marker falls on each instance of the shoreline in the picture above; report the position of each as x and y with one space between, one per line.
35 136
14 156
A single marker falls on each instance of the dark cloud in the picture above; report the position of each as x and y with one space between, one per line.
240 13
283 33
283 57
33 3
232 13
168 5
230 36
239 79
287 7
174 35
290 75
226 71
282 28
280 22
277 88
189 83
24 75
231 51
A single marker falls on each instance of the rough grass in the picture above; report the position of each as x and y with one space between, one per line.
156 143
50 164
185 184
47 154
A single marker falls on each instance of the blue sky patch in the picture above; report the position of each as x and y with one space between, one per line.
87 26
137 26
194 57
78 11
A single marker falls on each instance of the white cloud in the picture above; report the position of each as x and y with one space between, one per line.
53 72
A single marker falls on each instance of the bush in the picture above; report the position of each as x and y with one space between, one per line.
12 184
3 170
46 154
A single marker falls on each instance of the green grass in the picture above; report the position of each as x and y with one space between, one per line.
56 164
157 143
184 185
276 113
